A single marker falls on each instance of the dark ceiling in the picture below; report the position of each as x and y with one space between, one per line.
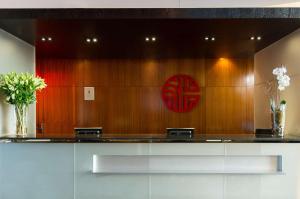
125 38
23 29
150 13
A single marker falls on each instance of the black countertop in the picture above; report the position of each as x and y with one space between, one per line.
158 138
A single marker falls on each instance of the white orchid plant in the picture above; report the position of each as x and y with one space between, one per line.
283 81
19 88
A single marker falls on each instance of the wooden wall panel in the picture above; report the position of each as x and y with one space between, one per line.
58 110
57 72
226 109
226 72
93 73
250 109
90 113
150 73
151 110
195 68
128 95
229 96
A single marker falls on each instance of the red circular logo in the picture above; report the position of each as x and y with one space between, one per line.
180 93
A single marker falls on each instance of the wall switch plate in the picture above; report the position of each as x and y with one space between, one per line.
89 93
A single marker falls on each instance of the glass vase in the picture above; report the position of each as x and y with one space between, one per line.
278 120
21 120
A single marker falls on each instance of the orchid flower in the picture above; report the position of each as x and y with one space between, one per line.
283 79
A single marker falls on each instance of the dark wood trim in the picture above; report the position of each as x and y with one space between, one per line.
176 13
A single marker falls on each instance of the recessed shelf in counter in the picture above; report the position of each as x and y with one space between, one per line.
186 164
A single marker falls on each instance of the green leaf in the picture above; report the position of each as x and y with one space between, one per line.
283 102
20 88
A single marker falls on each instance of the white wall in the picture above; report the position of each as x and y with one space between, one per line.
145 3
18 56
285 51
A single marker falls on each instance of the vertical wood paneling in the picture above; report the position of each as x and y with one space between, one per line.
90 113
151 73
151 110
226 109
128 95
226 72
95 73
57 72
116 74
117 112
229 95
58 110
194 68
250 109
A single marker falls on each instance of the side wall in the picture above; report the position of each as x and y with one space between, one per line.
286 52
18 56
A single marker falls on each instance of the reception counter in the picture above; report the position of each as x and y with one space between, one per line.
158 138
153 167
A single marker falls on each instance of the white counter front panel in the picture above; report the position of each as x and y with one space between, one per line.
65 171
36 171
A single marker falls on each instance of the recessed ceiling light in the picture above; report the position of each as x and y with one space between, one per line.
252 38
213 39
95 40
88 40
150 39
206 38
258 38
46 38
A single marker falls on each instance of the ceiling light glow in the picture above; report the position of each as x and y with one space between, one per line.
150 39
88 40
95 40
